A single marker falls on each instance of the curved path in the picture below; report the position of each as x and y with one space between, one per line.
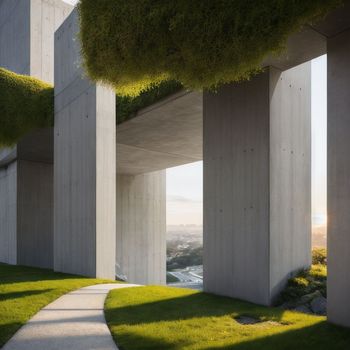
75 321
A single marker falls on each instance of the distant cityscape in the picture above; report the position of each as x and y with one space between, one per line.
185 253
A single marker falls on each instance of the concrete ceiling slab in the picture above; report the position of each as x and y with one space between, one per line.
336 22
166 134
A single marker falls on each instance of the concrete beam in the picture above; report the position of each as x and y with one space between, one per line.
257 184
84 164
338 284
141 228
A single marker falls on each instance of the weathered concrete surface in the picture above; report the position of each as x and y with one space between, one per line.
166 134
45 17
74 321
290 173
8 214
27 35
15 35
35 214
338 179
141 228
257 174
26 46
85 164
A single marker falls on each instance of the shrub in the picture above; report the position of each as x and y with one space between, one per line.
319 256
25 104
202 44
307 281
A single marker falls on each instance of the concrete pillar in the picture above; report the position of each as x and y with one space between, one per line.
26 171
8 213
338 302
85 164
257 184
141 228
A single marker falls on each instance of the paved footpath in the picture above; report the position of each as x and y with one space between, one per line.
74 321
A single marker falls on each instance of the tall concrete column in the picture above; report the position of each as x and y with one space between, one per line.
338 302
141 228
26 171
84 164
257 184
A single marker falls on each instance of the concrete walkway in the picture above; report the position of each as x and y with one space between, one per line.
74 321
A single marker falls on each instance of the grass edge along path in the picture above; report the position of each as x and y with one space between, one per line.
25 290
160 318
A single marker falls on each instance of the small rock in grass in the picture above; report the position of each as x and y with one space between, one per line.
319 305
245 320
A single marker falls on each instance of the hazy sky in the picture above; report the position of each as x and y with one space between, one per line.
184 183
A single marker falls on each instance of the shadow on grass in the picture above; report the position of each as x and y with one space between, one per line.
7 330
21 294
298 332
190 306
10 274
321 336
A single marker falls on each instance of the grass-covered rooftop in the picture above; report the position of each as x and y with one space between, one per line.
149 49
25 103
202 44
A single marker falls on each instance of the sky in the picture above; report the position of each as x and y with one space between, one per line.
185 183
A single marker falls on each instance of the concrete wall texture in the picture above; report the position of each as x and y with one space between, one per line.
35 214
85 164
8 214
338 305
254 179
141 228
27 47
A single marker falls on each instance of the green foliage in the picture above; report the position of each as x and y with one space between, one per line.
189 256
25 290
25 104
159 318
128 106
308 281
202 44
319 256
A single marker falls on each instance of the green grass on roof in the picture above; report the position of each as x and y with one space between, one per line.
202 44
25 104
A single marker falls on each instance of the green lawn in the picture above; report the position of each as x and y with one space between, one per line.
171 318
24 291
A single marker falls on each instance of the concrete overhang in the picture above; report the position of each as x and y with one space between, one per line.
169 133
